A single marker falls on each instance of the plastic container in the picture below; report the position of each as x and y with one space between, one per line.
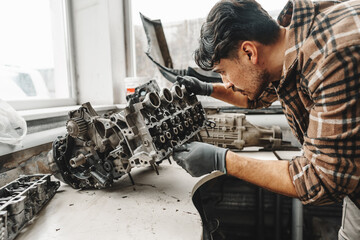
132 82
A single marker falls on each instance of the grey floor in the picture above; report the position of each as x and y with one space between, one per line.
156 207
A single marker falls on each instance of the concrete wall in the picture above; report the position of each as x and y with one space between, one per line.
31 161
99 42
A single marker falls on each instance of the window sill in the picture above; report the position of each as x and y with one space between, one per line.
35 114
32 140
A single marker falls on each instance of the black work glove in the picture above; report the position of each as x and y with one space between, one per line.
194 85
199 158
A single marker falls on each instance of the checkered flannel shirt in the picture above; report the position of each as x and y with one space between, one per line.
319 91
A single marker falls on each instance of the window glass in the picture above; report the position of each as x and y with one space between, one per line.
33 46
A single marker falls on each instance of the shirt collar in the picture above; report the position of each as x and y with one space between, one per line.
298 17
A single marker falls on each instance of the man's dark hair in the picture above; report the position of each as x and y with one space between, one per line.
229 22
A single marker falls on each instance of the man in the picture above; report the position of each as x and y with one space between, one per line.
310 61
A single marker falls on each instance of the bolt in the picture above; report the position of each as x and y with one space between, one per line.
165 125
158 129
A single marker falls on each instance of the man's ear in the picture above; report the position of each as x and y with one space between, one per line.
249 50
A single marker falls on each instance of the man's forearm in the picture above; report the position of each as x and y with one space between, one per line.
272 175
229 96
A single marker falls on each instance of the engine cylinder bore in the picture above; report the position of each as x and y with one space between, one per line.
78 160
177 92
161 139
186 124
151 100
168 135
166 96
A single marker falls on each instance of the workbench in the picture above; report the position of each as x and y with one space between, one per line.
156 207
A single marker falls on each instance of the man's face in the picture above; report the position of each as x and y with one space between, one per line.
249 79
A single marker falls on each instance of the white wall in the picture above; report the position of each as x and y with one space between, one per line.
99 48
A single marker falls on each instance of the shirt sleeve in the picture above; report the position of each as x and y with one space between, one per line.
329 168
265 99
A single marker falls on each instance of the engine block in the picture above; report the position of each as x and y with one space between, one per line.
100 149
21 200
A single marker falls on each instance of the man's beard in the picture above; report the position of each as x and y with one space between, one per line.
264 78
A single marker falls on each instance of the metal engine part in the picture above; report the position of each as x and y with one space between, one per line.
232 130
21 200
100 149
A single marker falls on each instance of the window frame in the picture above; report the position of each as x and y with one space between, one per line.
29 104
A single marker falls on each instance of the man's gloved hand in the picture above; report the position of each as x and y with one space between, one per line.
199 158
194 85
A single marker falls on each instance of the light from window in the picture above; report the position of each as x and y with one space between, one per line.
33 47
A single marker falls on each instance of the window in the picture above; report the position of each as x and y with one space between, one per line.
35 63
181 21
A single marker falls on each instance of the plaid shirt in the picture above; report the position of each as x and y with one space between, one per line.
319 91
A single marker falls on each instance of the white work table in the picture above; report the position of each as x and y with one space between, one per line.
156 207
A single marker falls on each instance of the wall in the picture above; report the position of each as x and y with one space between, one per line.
98 29
25 163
